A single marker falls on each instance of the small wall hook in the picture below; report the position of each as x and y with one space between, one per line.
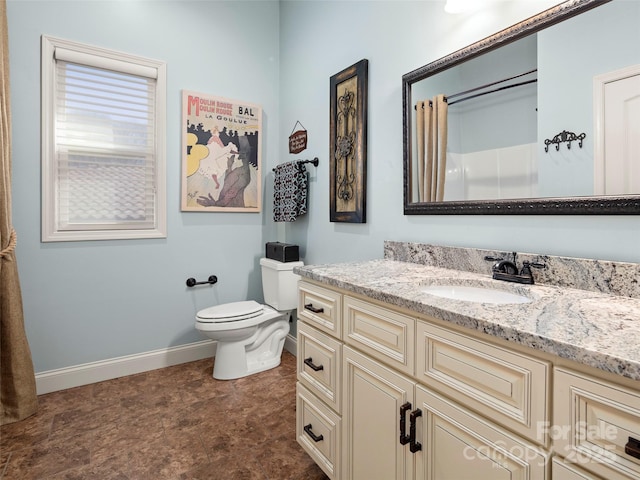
564 136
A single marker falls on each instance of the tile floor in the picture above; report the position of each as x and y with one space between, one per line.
176 423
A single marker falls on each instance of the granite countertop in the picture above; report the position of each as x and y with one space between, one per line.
592 328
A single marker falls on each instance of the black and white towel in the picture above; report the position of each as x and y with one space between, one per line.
290 192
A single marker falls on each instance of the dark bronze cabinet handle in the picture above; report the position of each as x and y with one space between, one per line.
414 446
404 438
632 447
310 307
314 437
315 368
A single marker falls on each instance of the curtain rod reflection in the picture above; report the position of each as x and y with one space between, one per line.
506 87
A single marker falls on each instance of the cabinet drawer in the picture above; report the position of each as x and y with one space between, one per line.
503 385
321 308
318 431
593 422
320 364
382 333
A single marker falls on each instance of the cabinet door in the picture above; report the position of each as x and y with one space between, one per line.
561 470
372 397
458 445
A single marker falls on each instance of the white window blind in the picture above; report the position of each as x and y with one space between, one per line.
103 170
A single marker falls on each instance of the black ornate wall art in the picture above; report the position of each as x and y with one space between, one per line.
348 144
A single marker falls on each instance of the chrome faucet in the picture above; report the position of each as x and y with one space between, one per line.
507 270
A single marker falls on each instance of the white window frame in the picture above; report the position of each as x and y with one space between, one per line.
117 61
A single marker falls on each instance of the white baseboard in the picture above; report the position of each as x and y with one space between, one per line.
69 377
291 345
78 375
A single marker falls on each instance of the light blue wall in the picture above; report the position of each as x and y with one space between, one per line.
96 300
566 87
88 301
321 38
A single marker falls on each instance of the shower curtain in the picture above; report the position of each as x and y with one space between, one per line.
17 380
431 126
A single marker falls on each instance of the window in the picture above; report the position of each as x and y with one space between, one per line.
103 152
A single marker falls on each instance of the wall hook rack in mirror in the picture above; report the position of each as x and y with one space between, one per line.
191 282
564 136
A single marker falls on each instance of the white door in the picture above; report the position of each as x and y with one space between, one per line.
617 131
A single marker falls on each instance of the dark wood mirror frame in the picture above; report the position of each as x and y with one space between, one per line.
592 205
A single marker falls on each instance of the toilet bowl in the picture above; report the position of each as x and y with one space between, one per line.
250 336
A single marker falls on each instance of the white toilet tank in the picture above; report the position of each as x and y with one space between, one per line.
280 284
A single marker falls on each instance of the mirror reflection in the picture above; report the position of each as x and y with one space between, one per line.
555 114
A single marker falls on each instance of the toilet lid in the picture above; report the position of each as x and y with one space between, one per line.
231 312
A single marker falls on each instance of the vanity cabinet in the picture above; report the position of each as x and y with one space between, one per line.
384 394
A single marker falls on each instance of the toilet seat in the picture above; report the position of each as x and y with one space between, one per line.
249 316
230 312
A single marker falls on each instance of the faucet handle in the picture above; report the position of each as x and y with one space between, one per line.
526 267
534 264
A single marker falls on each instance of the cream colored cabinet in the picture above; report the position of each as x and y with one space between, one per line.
383 395
319 373
395 428
376 401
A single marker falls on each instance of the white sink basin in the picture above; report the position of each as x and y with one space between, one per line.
467 293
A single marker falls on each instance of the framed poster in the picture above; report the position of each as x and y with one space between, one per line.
221 148
348 144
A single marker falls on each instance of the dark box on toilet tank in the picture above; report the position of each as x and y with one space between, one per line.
282 252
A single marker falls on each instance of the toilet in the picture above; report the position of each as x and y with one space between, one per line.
251 336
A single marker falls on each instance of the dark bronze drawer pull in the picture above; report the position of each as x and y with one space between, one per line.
310 307
404 438
314 437
414 446
632 447
315 368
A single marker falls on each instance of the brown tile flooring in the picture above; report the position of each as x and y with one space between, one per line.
174 423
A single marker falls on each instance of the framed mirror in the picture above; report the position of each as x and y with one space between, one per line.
516 124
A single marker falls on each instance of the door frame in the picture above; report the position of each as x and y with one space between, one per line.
599 84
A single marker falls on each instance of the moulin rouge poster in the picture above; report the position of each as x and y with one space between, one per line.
221 165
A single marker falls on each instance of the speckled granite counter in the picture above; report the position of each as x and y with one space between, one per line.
593 328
